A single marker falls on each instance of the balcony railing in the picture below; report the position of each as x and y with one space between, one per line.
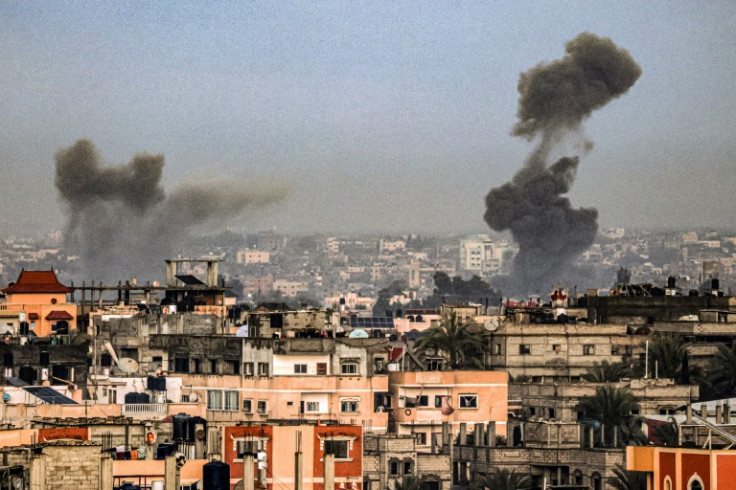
144 409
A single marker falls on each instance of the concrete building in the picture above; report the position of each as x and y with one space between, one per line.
422 401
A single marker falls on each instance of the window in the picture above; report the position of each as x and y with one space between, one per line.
588 349
349 405
556 348
232 367
300 369
248 447
393 467
525 349
338 448
496 349
695 485
213 366
421 438
181 365
408 466
248 369
422 401
248 406
311 407
231 400
551 413
321 368
532 411
214 400
262 407
349 368
468 401
262 369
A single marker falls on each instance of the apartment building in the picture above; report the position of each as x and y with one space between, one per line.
422 400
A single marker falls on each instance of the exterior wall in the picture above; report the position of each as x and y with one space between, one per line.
283 397
563 398
281 473
553 351
60 466
489 387
41 304
381 450
713 468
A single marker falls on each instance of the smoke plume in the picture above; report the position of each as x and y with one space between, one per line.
554 100
123 224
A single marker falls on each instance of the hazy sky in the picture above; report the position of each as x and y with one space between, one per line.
381 116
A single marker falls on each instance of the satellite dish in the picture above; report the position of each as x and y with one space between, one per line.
239 486
358 334
6 397
128 365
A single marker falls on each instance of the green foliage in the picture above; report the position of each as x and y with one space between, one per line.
612 407
628 480
606 372
667 434
722 372
460 343
503 479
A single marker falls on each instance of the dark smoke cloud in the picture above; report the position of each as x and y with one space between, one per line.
122 223
554 100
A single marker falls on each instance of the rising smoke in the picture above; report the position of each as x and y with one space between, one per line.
123 224
554 100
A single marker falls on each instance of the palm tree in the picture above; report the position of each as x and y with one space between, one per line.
503 479
722 371
628 480
668 358
668 433
612 407
606 372
461 343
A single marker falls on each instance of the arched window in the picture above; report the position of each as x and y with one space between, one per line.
667 483
577 477
597 482
695 483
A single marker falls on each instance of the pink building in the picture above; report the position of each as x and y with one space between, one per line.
422 400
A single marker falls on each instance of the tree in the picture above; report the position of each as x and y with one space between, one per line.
722 371
628 480
612 407
460 343
503 479
606 372
667 434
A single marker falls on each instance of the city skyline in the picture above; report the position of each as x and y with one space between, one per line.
390 120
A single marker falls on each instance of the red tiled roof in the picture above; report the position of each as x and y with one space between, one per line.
59 315
37 282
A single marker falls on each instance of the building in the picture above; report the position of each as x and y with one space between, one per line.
683 468
40 301
422 400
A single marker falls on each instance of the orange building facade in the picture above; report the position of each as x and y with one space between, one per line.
422 400
671 468
41 303
276 449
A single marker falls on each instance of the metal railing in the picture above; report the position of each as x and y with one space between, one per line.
144 409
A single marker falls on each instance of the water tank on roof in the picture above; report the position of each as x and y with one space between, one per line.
216 475
180 422
165 449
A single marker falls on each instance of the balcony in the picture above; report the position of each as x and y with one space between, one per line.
144 410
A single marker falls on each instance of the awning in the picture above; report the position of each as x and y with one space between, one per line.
59 315
33 316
